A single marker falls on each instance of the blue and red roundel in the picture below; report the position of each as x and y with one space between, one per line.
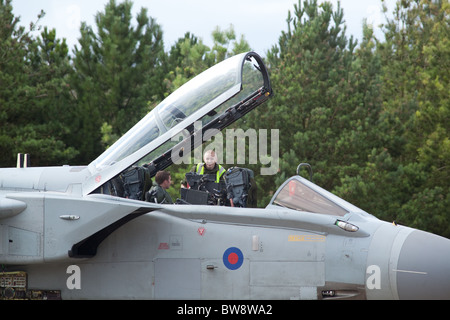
233 258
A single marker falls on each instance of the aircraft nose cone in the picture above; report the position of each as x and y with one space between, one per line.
423 268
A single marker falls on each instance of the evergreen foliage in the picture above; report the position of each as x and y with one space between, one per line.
372 118
116 71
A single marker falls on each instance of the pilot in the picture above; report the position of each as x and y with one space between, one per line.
210 166
158 193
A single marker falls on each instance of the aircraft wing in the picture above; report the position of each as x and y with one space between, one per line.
10 207
53 226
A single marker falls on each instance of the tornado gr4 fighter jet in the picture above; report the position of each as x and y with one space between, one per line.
87 233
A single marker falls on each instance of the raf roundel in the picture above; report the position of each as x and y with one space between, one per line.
233 258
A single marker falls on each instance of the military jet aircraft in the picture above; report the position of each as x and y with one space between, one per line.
80 232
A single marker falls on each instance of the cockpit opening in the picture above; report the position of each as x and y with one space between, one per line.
208 103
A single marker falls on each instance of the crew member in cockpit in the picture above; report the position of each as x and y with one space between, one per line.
158 193
209 166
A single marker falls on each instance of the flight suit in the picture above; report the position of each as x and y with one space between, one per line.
218 170
159 194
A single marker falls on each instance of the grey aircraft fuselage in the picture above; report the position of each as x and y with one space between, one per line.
65 234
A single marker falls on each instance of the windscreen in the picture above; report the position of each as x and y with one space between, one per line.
295 195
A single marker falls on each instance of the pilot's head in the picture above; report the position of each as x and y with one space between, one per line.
210 159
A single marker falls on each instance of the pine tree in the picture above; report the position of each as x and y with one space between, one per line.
406 176
44 130
321 100
34 96
118 70
416 81
13 43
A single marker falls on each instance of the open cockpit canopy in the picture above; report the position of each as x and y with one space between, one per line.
212 100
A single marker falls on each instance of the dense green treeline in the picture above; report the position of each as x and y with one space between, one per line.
371 117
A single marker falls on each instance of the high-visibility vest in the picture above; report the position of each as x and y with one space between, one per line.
219 173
